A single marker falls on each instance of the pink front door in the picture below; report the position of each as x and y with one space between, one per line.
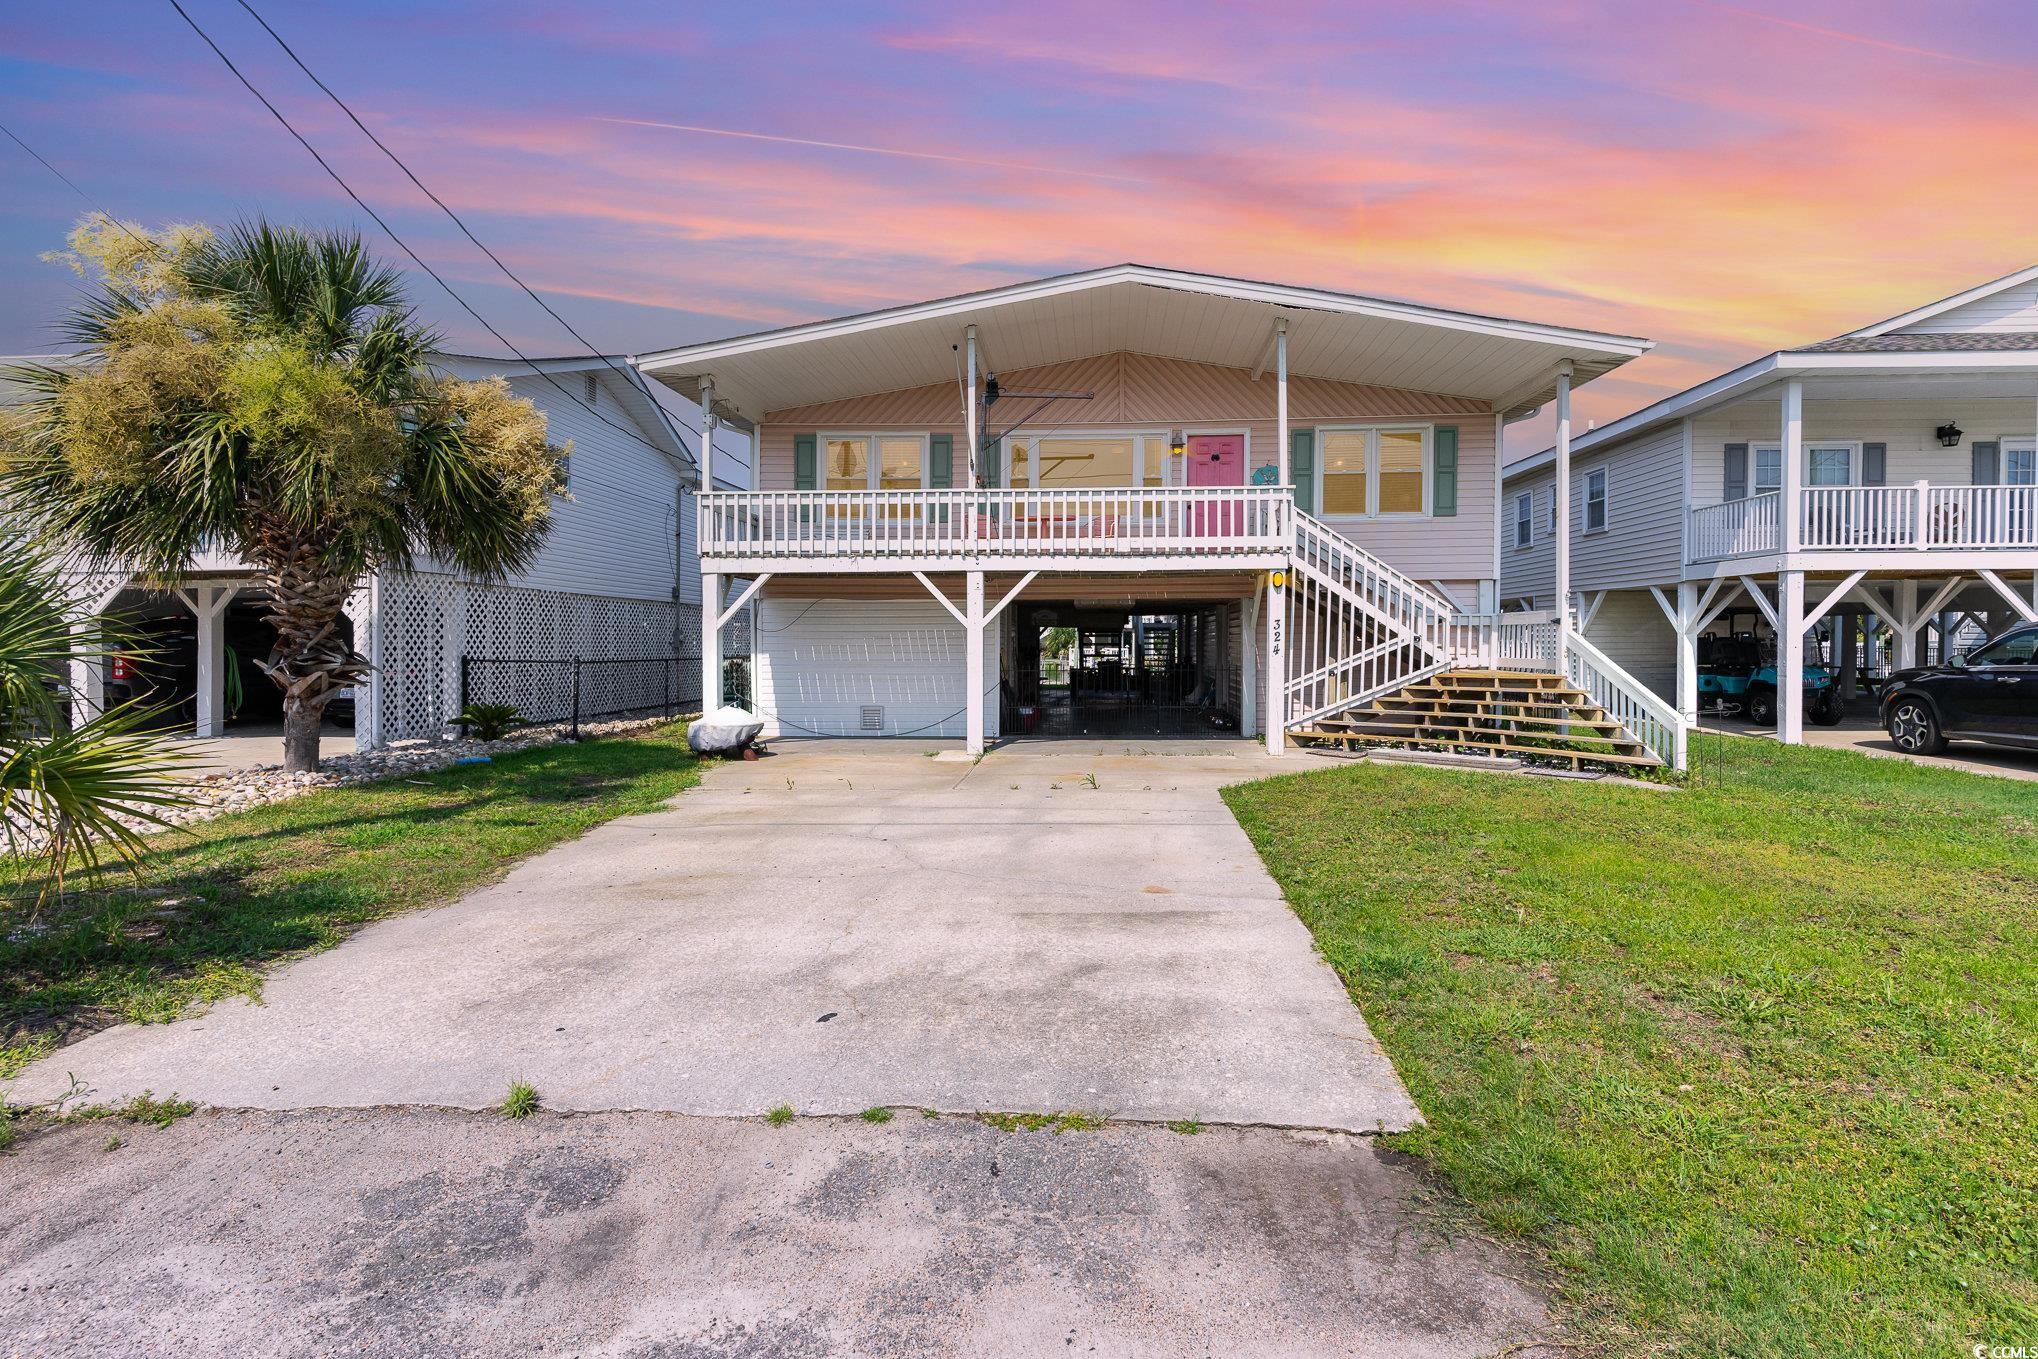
1217 460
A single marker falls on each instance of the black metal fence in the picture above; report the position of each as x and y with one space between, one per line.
578 689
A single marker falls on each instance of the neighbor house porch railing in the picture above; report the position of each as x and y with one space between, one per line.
1151 521
1917 517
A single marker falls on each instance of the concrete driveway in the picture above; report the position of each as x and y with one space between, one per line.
842 925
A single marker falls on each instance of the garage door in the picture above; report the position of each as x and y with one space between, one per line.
854 667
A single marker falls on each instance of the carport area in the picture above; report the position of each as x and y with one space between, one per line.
1059 926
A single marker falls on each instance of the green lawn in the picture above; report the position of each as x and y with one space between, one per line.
1755 1064
218 903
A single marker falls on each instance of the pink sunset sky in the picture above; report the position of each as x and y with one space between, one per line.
1725 179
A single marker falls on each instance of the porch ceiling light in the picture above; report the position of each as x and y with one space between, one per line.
1949 435
1178 444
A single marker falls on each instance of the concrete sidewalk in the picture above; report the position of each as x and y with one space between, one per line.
838 926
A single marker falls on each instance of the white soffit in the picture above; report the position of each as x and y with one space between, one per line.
1195 317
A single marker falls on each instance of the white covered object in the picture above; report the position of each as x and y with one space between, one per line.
724 730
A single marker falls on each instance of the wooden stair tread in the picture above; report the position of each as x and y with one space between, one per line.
1421 722
1565 718
1553 752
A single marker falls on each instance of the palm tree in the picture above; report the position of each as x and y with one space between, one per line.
77 791
265 390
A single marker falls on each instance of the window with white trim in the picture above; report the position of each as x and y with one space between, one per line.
873 462
1767 468
1381 471
1091 460
1525 519
2020 463
1595 500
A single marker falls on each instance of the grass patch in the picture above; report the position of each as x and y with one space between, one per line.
216 906
520 1102
778 1115
877 1113
1752 1063
1069 1120
1187 1127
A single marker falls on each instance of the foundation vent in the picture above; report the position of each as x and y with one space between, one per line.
873 717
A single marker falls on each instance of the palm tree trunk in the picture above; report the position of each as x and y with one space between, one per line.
312 659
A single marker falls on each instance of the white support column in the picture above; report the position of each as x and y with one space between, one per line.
1687 621
1281 396
711 642
208 606
1563 493
1276 679
708 434
1906 638
973 665
1792 505
1790 656
969 416
88 671
455 646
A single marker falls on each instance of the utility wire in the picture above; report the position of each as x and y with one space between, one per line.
89 201
409 174
387 230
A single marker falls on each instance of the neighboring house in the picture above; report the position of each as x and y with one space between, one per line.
1129 501
1885 480
614 579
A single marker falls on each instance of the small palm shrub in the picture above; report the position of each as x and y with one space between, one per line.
489 721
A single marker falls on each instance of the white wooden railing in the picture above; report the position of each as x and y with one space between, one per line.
1627 701
1918 517
1735 528
1357 628
1146 521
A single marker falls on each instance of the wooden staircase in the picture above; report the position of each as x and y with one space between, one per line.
1530 715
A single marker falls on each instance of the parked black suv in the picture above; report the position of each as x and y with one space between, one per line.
1991 695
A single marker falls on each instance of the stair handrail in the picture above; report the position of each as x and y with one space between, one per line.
1429 615
1628 701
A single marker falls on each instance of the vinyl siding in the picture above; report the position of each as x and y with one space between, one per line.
1636 635
1643 543
2012 309
1904 425
1141 392
1529 571
618 533
817 663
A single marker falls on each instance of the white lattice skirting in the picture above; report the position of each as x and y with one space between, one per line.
424 623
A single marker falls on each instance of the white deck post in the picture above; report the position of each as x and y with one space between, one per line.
1563 493
1790 657
208 605
88 671
1791 523
1687 650
1907 636
1275 683
973 666
969 415
1281 397
711 642
707 432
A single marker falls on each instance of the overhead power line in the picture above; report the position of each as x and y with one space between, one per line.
403 245
411 175
70 184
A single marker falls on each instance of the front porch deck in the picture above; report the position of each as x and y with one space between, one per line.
1225 527
1920 518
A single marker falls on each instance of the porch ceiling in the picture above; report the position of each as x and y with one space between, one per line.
1200 318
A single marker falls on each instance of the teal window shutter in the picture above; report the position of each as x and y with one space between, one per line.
1302 467
992 463
1444 500
804 462
941 461
1874 464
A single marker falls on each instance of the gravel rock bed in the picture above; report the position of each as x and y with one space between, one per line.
238 790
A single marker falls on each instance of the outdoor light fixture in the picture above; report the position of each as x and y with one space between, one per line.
1949 435
1178 445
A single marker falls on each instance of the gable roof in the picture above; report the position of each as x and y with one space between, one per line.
1202 318
1946 304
